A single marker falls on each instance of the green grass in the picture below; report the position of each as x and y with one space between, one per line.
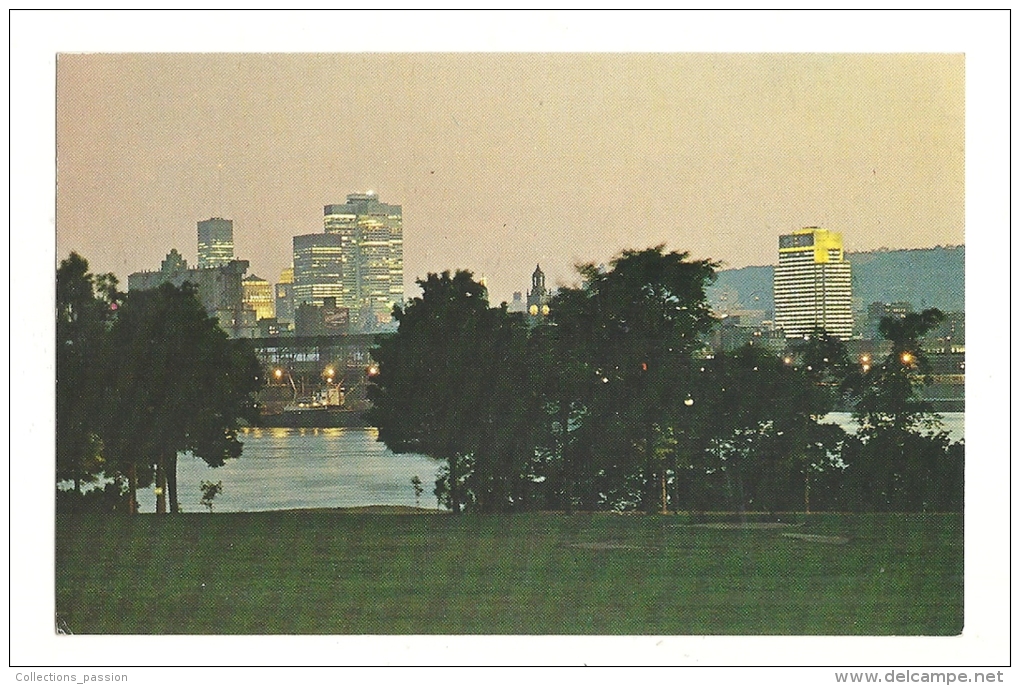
340 573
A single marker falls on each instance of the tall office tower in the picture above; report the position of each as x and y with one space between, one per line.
372 236
318 268
258 296
811 285
215 242
285 296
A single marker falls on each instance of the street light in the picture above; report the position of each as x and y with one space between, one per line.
334 395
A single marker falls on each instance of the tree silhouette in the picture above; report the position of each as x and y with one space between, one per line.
85 306
175 383
426 395
628 336
901 458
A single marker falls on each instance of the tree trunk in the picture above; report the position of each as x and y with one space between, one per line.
651 475
76 501
676 482
161 485
807 491
454 490
171 483
132 489
568 467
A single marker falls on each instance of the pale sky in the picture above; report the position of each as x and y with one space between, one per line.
502 161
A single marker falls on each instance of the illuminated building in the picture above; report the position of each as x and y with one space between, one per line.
318 268
372 246
811 284
215 242
258 295
285 296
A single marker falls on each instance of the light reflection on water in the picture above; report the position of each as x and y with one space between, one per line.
297 468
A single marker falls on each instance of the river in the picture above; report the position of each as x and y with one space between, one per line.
284 469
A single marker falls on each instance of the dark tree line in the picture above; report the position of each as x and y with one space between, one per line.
611 403
140 377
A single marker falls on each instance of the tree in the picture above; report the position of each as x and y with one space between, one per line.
566 383
418 489
886 393
629 334
209 491
902 459
762 425
426 394
175 383
503 455
85 306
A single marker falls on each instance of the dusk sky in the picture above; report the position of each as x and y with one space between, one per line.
502 161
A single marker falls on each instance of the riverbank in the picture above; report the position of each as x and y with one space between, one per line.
364 572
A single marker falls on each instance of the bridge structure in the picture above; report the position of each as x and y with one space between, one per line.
300 366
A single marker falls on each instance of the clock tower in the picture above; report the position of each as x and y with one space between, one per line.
538 296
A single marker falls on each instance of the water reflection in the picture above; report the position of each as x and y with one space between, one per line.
305 468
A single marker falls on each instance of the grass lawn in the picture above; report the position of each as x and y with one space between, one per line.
321 572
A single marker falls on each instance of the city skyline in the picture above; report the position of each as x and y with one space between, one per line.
501 161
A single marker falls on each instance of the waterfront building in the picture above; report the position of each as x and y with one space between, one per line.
318 268
811 284
215 242
258 295
372 256
219 289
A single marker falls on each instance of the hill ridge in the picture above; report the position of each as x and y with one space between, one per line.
924 277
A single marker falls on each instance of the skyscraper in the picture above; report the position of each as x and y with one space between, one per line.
285 296
811 285
258 295
318 268
215 242
372 240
